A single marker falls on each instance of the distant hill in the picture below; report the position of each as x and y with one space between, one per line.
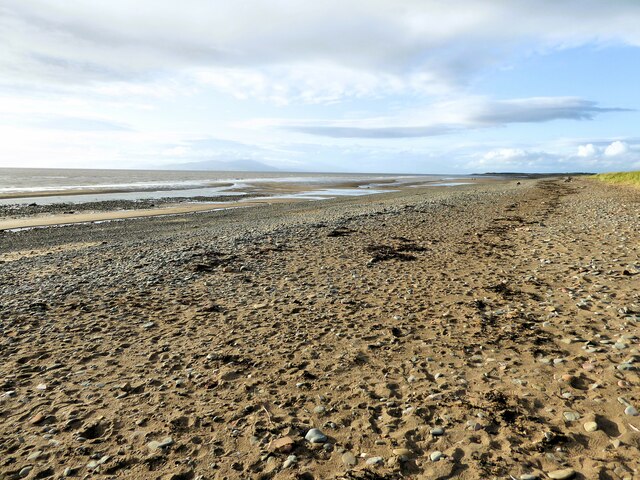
230 166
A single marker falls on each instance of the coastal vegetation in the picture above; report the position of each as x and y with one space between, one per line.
626 178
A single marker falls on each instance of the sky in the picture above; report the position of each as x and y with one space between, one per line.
398 86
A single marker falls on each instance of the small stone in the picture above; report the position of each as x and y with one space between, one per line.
283 445
148 325
437 431
67 472
631 411
374 461
37 418
25 471
588 366
591 426
625 367
155 445
320 410
528 476
401 452
291 460
99 462
41 387
562 474
473 425
35 455
315 436
435 456
349 459
571 416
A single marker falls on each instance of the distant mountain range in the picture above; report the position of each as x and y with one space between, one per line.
223 166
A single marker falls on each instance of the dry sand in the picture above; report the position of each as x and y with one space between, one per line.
481 332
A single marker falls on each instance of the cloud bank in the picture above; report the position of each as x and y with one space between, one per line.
363 84
463 114
267 48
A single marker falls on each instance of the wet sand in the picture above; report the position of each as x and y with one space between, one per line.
485 331
71 218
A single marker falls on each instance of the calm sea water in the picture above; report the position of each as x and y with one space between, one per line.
100 185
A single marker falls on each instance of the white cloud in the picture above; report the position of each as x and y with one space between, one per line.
556 158
616 149
587 150
312 83
346 48
504 155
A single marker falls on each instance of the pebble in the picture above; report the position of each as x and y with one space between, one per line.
315 436
168 441
320 409
571 416
588 366
437 432
349 459
631 411
528 476
401 452
562 474
25 471
435 456
35 455
291 460
284 444
374 460
41 387
155 445
37 418
473 425
591 426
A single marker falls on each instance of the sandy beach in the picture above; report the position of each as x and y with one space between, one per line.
482 331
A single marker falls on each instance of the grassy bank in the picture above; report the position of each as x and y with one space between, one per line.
626 178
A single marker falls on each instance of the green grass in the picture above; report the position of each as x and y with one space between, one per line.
626 178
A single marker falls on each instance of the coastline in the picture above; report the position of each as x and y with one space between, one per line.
471 321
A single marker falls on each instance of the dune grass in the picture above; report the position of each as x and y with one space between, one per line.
624 178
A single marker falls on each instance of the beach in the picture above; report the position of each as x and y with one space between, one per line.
486 330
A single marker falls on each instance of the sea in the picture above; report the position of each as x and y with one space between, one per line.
48 186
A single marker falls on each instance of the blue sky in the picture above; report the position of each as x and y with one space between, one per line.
420 86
